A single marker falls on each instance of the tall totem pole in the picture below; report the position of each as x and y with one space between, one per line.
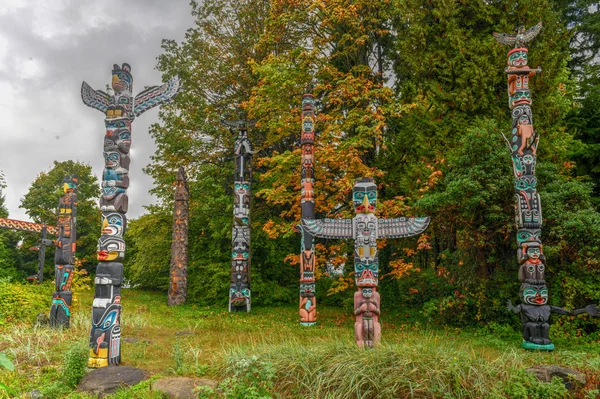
179 243
64 257
365 228
308 302
239 291
120 109
534 309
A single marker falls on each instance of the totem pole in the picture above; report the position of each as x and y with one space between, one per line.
365 228
535 311
64 257
239 291
308 302
120 109
179 244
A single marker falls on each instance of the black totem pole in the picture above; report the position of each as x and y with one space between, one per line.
534 309
64 257
308 302
239 291
120 109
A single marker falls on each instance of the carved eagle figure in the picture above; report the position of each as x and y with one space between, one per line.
520 38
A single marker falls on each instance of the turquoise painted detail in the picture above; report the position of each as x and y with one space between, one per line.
537 347
62 304
308 324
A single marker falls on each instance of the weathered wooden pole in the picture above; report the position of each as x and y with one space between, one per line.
120 110
179 244
308 300
365 228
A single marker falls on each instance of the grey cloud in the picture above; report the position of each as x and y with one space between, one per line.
42 117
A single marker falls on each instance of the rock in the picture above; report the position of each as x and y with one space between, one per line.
570 377
130 340
42 320
35 394
181 387
179 333
106 380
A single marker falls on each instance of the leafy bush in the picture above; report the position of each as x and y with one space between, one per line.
22 301
252 379
75 364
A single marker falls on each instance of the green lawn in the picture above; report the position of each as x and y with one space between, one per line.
268 354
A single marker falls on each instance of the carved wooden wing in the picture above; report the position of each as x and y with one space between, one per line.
153 96
532 32
94 98
505 38
328 228
401 227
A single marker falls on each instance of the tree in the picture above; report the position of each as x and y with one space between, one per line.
9 257
41 204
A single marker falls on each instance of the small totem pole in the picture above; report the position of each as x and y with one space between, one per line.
365 228
120 109
308 302
239 291
64 258
535 311
179 245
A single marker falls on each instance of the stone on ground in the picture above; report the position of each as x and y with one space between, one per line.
181 387
107 380
570 377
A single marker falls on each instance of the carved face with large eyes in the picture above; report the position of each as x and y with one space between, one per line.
366 273
112 159
113 224
111 249
520 97
534 294
70 184
364 195
121 78
517 57
367 292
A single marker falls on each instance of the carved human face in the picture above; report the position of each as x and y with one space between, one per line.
367 292
364 196
111 249
525 235
534 294
520 97
517 57
112 159
366 273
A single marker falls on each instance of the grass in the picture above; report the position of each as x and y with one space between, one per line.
268 354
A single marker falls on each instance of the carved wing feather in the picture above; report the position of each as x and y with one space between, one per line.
153 96
505 38
532 32
401 227
94 98
328 228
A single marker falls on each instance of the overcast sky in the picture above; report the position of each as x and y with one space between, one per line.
47 48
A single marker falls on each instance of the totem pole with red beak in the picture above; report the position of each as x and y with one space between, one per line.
120 110
365 228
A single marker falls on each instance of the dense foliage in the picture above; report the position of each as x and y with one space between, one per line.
410 92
